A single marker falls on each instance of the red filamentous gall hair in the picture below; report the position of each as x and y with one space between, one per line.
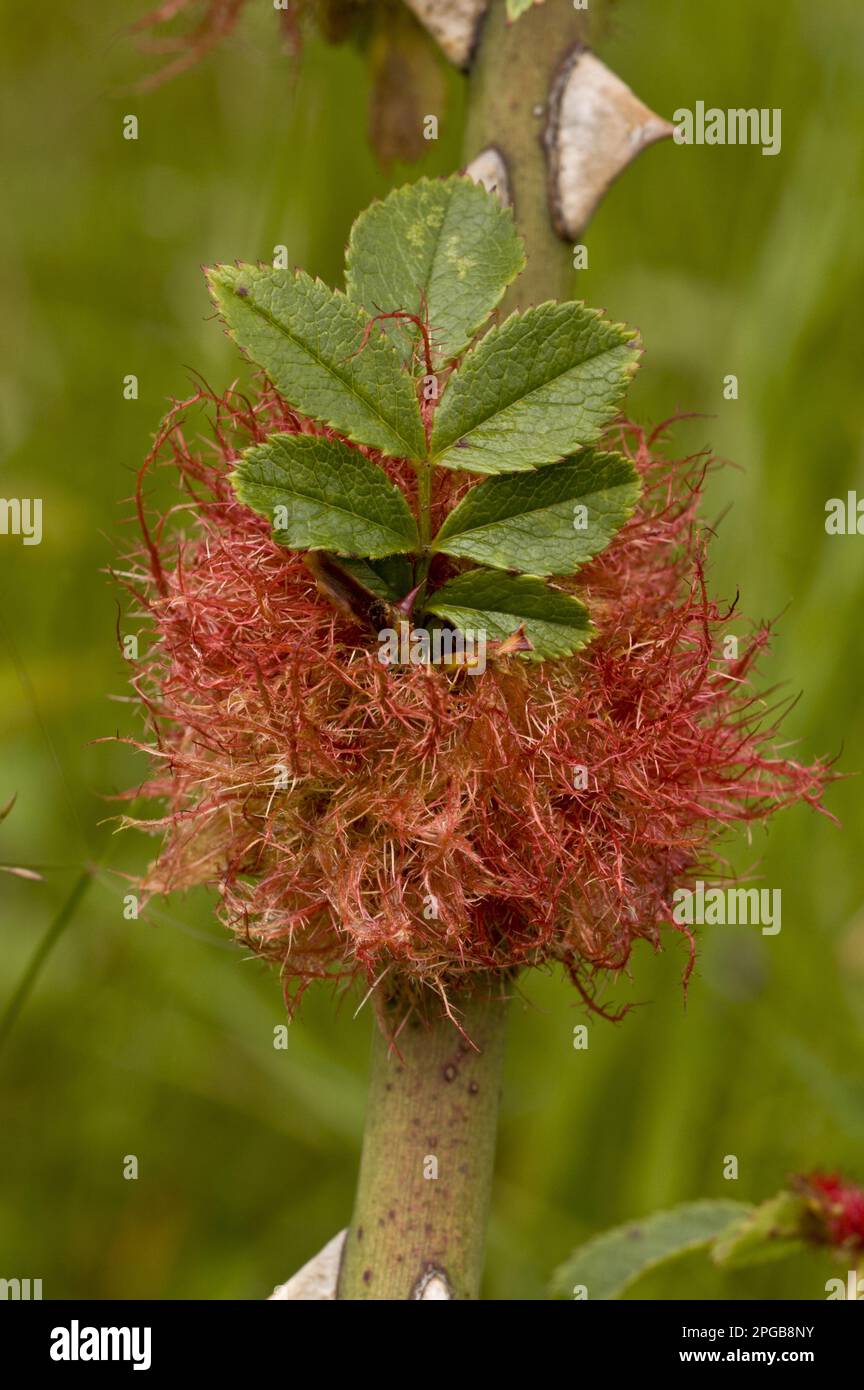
423 823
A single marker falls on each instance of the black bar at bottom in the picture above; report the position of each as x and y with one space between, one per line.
67 1338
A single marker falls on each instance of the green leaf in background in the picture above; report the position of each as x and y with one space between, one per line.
308 340
545 522
515 8
770 1231
389 578
610 1263
555 624
334 497
444 247
533 390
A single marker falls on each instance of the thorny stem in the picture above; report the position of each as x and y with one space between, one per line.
438 1100
508 107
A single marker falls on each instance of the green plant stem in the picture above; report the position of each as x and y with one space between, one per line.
424 507
440 1100
424 482
507 108
428 1151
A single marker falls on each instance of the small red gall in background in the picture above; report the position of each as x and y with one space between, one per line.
838 1209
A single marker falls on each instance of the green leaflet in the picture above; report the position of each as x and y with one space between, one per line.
308 340
533 390
443 247
610 1263
515 8
333 497
390 578
555 624
544 522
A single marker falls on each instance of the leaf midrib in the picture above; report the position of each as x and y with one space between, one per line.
333 506
433 266
515 516
517 400
332 370
413 333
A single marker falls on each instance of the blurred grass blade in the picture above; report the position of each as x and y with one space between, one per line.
41 954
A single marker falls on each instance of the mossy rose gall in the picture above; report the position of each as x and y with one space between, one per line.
410 821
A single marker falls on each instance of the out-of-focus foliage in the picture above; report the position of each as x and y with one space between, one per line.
154 1037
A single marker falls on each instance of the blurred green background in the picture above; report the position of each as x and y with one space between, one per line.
154 1037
